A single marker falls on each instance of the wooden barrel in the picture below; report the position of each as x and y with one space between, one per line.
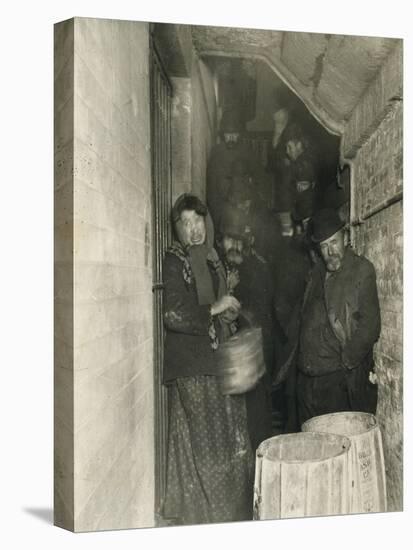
241 361
303 474
367 473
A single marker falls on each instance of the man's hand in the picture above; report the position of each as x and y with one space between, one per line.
337 328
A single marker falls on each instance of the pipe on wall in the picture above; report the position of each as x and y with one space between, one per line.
398 197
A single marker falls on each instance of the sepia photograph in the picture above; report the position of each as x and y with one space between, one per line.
205 275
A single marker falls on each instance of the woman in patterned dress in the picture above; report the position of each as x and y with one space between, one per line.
210 461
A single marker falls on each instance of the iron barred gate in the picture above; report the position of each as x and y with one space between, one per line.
160 97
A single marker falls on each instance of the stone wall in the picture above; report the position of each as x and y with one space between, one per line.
377 176
109 363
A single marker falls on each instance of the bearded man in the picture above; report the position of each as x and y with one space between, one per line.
249 281
340 324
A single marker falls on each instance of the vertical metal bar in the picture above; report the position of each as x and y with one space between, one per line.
165 218
169 168
161 181
164 214
161 163
160 326
165 161
156 256
161 243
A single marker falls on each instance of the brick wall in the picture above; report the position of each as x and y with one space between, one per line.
377 174
112 368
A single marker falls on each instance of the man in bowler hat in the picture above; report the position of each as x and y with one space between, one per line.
340 322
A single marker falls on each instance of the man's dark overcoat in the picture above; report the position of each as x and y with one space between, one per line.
334 375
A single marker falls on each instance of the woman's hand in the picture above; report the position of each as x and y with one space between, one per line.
226 302
232 280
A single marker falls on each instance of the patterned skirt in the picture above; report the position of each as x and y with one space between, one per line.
210 461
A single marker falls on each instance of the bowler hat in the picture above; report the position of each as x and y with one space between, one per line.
234 224
231 122
326 222
294 132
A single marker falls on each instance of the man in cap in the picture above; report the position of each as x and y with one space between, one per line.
300 171
248 279
228 159
340 322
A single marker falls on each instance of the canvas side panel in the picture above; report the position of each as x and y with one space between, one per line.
63 274
113 382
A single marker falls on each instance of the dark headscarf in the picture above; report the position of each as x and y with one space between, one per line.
199 256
